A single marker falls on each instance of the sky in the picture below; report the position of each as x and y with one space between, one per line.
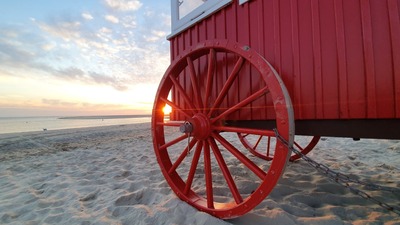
82 57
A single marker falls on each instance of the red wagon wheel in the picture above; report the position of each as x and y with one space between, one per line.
263 146
195 151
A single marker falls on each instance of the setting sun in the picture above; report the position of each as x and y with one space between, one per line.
167 110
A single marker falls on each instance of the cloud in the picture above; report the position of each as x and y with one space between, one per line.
58 102
90 77
68 30
71 73
87 16
20 47
48 46
108 80
78 47
53 102
111 18
124 5
129 22
154 35
13 53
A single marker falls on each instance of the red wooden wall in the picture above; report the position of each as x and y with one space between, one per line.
340 59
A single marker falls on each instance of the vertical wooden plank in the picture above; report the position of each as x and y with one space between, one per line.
211 28
316 30
329 61
369 58
297 88
202 31
269 41
355 60
259 7
244 37
277 36
394 21
255 36
306 60
221 24
268 31
342 60
286 44
206 32
185 78
173 46
231 23
179 101
383 59
221 72
232 34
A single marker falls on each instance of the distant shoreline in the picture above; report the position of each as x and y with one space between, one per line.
104 117
28 124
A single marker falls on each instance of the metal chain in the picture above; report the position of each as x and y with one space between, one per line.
345 180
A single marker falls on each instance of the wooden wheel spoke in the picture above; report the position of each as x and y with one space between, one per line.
240 156
241 104
183 94
244 130
225 171
193 167
268 145
210 75
194 81
266 154
182 156
175 107
232 76
177 140
208 176
258 142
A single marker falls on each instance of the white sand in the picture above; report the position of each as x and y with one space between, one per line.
109 175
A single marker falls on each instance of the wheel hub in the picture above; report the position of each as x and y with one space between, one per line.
199 126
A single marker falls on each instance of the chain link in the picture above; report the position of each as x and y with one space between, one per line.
345 180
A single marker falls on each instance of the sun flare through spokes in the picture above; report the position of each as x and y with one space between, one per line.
167 109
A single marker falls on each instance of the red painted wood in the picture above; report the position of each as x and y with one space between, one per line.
383 59
329 62
369 58
286 49
245 31
394 20
355 59
277 36
297 88
316 37
306 61
340 59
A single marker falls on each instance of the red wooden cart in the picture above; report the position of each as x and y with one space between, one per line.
261 68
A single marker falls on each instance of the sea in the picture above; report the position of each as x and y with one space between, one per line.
28 124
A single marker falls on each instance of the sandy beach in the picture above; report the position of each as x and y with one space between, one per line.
109 175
